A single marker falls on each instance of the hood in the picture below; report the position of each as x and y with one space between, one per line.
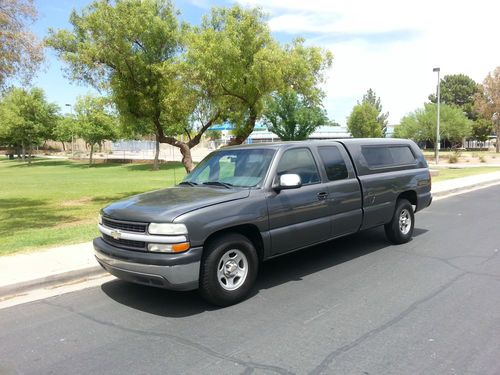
166 204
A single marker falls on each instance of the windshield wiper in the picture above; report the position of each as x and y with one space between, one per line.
218 183
188 183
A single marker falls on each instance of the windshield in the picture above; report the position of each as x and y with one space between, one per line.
243 168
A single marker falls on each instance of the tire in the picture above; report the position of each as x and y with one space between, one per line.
228 269
400 229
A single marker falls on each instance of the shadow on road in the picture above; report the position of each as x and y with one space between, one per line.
290 267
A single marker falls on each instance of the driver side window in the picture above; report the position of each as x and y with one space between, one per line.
299 161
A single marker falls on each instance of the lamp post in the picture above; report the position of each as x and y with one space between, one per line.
72 139
438 139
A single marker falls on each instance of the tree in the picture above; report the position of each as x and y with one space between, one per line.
94 121
458 89
239 62
27 119
134 50
363 123
64 130
488 101
20 51
291 117
482 129
374 100
421 124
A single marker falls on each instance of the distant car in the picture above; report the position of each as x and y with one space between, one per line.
246 204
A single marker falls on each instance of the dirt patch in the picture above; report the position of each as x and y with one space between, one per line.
68 224
76 202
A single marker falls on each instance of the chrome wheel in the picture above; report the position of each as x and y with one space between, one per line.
404 221
232 269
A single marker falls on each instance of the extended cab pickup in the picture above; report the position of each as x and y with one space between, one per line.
246 204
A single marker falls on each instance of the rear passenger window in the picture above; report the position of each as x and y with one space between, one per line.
334 163
299 161
379 157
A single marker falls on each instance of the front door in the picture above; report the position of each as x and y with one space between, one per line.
298 217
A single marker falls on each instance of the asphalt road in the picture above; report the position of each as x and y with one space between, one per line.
353 306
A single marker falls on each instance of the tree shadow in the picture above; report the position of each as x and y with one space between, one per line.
171 165
292 267
26 213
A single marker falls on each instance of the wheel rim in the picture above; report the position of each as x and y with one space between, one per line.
404 221
232 269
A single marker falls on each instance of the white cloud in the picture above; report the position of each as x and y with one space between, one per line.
392 46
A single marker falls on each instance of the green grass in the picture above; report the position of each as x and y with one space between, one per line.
447 174
56 202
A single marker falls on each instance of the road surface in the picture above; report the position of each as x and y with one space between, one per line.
357 305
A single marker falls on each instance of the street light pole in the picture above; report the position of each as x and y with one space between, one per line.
438 139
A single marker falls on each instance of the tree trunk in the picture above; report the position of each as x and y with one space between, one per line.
187 160
23 149
91 153
156 162
30 150
498 140
246 131
64 147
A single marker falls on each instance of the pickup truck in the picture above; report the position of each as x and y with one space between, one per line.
245 204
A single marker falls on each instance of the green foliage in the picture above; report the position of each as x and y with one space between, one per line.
27 119
372 98
237 59
459 90
65 129
213 134
482 129
94 122
421 124
487 101
362 123
291 117
20 51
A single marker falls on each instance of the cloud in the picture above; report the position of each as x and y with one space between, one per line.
391 46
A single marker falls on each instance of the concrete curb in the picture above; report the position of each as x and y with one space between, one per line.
464 189
51 281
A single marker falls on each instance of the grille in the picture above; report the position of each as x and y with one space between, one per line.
127 226
126 244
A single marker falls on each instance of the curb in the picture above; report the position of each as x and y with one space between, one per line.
465 189
50 281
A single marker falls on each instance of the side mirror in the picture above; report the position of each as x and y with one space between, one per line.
288 181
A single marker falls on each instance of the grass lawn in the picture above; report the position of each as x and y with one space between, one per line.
446 173
55 202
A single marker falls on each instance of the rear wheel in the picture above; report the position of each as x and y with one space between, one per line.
228 269
400 229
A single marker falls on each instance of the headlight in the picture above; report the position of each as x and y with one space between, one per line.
99 219
167 228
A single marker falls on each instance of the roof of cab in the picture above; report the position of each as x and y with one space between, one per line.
348 141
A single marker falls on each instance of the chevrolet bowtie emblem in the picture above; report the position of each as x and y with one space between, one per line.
116 234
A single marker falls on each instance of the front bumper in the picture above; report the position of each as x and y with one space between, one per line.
169 271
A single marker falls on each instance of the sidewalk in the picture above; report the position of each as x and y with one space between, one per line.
24 272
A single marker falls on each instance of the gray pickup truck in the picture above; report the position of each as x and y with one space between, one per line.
246 204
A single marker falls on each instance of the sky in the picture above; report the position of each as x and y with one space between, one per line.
390 46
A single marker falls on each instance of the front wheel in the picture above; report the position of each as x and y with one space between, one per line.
228 269
400 229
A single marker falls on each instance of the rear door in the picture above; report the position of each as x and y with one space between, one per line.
344 192
298 217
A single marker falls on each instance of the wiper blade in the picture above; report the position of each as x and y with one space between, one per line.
188 183
219 183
